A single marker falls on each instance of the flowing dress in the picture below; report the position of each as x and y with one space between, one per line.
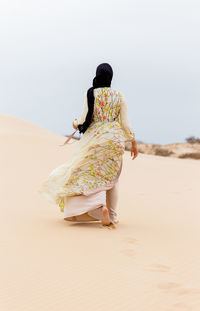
79 186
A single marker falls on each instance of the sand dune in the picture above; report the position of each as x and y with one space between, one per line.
150 262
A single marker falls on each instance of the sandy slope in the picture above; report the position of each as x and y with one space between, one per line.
150 262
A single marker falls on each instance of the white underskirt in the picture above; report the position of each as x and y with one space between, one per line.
80 204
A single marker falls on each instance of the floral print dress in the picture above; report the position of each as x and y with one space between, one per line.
97 157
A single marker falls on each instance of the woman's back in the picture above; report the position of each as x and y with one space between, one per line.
109 106
106 105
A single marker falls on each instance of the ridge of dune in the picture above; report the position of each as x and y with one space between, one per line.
11 124
150 262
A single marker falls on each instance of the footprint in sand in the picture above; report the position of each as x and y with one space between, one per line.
168 285
177 289
159 268
184 291
131 240
128 252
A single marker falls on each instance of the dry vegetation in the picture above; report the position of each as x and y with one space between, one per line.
191 155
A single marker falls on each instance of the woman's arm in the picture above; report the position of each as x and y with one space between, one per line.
125 124
81 119
124 121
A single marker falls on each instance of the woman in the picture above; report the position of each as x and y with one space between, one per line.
86 188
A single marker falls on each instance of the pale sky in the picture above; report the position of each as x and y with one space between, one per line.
49 51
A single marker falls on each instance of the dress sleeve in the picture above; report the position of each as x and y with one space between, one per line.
81 119
124 121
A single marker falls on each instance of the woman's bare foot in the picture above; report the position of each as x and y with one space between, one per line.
72 218
105 220
81 218
85 217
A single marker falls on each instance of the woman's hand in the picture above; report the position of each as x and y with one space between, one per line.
75 124
134 151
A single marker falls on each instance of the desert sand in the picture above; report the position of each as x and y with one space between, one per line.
150 262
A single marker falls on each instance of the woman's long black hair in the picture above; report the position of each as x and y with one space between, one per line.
103 78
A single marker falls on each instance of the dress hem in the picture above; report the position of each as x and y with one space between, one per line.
89 212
